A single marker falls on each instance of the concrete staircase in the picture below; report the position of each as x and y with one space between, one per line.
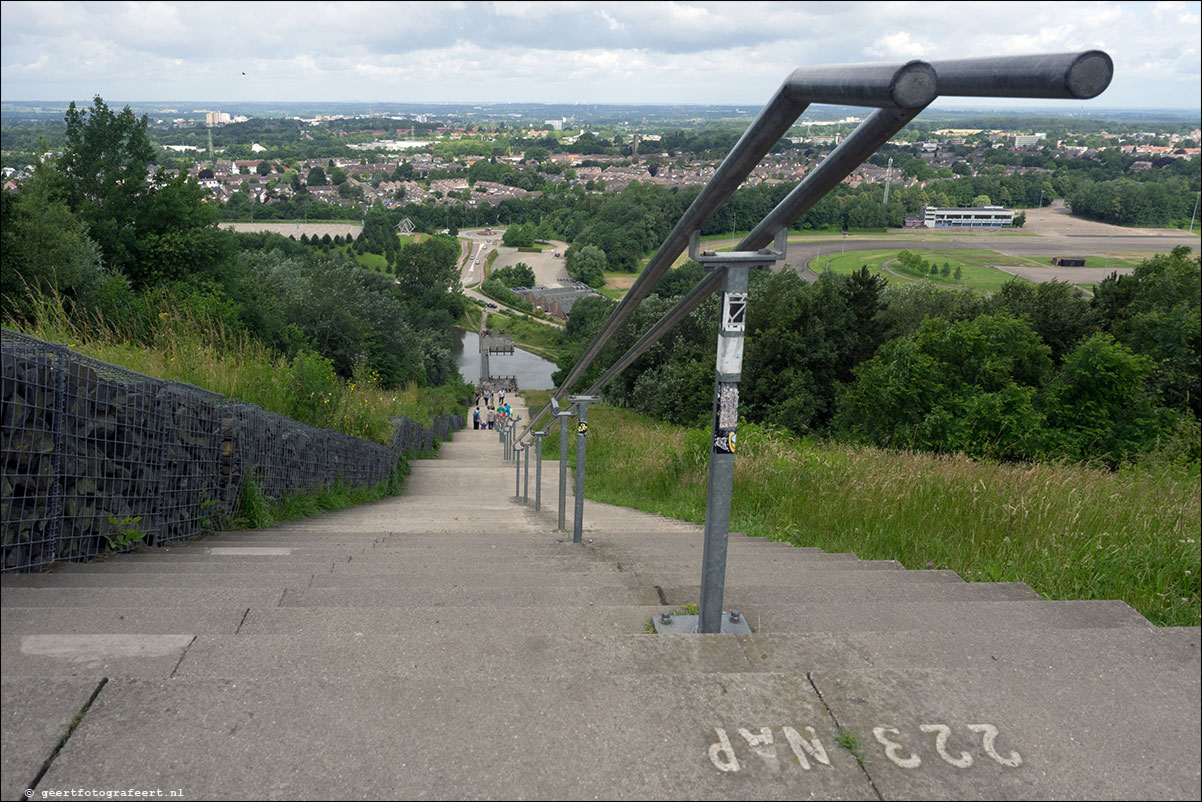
446 644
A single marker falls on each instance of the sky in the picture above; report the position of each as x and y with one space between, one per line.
726 53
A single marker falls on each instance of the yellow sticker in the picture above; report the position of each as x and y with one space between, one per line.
582 428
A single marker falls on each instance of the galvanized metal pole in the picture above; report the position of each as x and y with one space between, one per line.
735 267
563 466
517 471
538 470
581 402
722 446
526 473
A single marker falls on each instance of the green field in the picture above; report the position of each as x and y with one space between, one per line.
975 275
1069 531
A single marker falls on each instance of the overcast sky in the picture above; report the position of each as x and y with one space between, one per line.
555 52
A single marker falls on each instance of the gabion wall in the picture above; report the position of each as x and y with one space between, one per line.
91 450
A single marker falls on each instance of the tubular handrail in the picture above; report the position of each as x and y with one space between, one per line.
900 92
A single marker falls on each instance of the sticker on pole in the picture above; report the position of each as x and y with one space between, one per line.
724 442
582 428
734 311
728 405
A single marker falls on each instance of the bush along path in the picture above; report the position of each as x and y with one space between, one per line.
447 643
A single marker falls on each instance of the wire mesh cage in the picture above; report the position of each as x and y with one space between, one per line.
98 458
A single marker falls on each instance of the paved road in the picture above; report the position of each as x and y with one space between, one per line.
546 266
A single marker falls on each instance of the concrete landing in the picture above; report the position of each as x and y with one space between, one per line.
445 644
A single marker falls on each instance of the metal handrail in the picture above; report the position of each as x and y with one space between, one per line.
900 91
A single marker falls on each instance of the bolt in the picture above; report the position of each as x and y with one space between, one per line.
734 616
665 617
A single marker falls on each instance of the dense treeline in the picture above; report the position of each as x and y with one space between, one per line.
1033 372
94 233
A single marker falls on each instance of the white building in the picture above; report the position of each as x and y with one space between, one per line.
1027 140
977 217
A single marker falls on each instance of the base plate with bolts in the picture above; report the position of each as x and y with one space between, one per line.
733 623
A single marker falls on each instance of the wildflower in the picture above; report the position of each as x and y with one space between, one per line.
930 565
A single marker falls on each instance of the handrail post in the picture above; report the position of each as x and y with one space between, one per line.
732 322
538 470
526 473
581 402
517 471
563 466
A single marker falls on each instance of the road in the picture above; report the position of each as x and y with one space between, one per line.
546 266
478 243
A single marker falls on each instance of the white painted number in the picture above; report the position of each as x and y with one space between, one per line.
941 732
988 736
891 747
809 750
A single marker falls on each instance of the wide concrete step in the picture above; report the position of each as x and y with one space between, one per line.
962 615
756 595
197 619
338 657
409 578
387 738
1142 650
467 596
923 733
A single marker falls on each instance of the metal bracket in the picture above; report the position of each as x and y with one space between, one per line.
733 623
763 258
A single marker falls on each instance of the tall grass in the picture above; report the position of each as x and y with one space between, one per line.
180 345
1069 531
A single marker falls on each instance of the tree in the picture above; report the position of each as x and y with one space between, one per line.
317 177
45 247
519 236
981 200
537 154
428 267
587 264
263 168
518 275
105 165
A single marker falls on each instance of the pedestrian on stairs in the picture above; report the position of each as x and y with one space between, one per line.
476 419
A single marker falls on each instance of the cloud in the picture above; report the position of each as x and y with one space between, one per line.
684 51
902 45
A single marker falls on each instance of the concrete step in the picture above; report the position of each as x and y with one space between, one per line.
625 737
467 596
197 619
138 597
931 615
758 595
385 738
1141 649
1048 733
441 577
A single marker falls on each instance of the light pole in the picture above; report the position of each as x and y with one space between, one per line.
1040 209
1193 216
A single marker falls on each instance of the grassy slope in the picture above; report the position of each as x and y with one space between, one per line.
1068 531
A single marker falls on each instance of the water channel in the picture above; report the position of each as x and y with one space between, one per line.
532 372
